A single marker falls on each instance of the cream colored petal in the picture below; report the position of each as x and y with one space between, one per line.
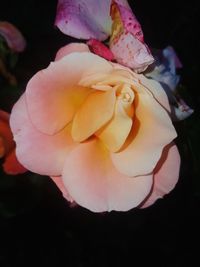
152 131
95 112
156 89
114 134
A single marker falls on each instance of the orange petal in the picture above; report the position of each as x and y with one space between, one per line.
2 147
7 143
50 93
95 184
95 112
114 134
166 174
38 152
12 165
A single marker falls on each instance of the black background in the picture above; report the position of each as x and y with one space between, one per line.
38 228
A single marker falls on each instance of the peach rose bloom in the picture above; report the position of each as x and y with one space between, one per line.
100 131
7 147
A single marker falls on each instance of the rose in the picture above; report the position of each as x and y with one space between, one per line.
126 44
97 20
99 130
7 147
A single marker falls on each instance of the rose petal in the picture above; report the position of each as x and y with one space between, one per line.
84 19
129 52
58 181
100 49
40 153
95 112
114 134
70 48
120 10
52 95
126 41
156 89
95 184
11 165
166 174
181 112
152 130
173 61
164 69
13 36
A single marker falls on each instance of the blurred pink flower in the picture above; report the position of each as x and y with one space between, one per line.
99 130
91 19
12 36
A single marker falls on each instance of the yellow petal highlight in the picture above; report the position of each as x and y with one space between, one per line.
114 134
94 113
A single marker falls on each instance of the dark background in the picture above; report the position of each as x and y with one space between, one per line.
37 226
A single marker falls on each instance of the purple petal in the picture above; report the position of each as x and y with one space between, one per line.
164 68
181 110
12 36
84 19
173 61
127 40
164 71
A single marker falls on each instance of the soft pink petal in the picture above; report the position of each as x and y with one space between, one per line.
166 174
58 181
84 19
130 52
127 41
40 153
52 93
100 49
95 184
70 48
152 130
13 36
